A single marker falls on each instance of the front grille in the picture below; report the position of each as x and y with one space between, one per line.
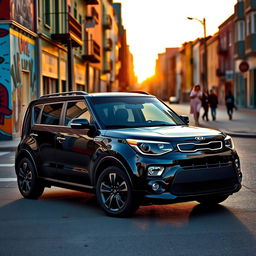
206 162
194 147
204 180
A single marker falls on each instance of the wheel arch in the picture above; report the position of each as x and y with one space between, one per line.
25 153
108 161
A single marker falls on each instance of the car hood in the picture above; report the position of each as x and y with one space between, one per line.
170 133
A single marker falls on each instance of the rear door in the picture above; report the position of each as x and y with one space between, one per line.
76 146
44 134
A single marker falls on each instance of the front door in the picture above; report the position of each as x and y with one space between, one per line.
75 146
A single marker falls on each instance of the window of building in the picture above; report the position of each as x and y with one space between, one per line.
240 31
75 10
50 85
76 109
51 114
253 22
47 12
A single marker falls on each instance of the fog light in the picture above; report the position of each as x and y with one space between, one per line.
155 186
155 170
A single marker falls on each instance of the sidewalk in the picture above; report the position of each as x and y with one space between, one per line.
242 125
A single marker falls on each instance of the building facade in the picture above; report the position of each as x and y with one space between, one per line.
18 79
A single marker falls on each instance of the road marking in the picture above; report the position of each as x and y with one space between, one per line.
4 153
6 165
7 179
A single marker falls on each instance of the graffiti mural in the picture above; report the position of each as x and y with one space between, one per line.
5 85
17 79
4 104
23 76
23 12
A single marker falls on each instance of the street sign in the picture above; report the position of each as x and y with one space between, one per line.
244 66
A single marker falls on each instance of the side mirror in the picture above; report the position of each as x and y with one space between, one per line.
79 123
185 119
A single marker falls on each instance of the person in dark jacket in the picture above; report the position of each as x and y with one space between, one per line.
213 101
205 104
230 104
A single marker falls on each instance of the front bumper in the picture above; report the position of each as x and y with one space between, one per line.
192 178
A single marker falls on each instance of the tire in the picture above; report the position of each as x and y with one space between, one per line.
212 200
114 193
28 183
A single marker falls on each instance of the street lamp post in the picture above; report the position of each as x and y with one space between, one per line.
205 77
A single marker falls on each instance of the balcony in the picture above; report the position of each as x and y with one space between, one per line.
107 22
92 51
239 11
67 27
108 46
91 2
250 5
239 50
250 44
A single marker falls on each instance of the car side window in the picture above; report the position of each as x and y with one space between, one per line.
76 109
36 114
51 114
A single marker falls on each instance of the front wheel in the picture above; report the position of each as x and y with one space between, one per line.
28 183
212 200
114 192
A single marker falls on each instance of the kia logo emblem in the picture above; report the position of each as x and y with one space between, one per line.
199 138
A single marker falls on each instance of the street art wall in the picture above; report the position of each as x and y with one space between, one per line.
5 85
17 60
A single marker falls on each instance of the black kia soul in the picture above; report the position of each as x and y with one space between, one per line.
128 148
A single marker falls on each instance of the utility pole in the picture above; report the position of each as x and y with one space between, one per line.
205 73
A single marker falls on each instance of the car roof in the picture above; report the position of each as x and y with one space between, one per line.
51 98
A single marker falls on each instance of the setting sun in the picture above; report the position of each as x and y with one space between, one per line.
153 26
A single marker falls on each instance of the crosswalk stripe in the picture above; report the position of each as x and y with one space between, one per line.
6 165
7 179
4 153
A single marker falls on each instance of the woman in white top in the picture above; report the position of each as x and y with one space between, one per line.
195 102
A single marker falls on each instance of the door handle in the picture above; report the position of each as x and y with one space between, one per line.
60 139
33 134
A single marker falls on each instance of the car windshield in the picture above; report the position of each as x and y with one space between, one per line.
130 112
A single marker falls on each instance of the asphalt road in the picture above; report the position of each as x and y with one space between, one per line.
64 222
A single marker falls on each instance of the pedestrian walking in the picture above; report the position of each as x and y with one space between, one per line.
213 102
205 104
230 104
195 102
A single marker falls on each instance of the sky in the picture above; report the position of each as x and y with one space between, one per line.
153 25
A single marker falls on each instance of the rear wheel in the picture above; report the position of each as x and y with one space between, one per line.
213 200
114 192
28 183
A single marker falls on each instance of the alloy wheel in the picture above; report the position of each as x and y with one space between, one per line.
25 177
114 192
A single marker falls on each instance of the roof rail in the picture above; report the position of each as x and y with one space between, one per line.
141 92
72 93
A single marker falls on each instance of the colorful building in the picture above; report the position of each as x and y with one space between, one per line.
225 52
18 79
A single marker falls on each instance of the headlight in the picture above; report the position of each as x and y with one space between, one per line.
150 147
229 142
